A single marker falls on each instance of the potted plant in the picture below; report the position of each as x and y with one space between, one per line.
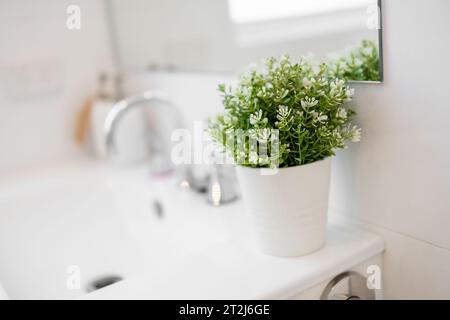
282 123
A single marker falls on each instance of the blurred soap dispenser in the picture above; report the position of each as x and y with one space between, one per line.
130 144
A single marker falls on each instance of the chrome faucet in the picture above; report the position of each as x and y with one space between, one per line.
122 107
218 184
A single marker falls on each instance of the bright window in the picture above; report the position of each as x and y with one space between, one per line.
244 11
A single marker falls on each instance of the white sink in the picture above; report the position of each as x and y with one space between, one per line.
104 221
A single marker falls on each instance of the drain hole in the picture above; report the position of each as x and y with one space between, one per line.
158 209
103 282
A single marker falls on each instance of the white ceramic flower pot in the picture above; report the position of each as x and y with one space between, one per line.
289 208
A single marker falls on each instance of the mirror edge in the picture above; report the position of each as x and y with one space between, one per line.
380 40
380 50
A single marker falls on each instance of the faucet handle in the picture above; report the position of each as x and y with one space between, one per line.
190 178
222 186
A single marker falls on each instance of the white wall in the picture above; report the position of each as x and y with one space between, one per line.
46 72
397 180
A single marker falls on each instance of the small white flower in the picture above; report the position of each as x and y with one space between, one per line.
337 84
322 118
256 117
350 92
355 134
268 85
284 116
308 102
342 113
283 111
337 88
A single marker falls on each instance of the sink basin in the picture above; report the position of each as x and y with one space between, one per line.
97 221
125 234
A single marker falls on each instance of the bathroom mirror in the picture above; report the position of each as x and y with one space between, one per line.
226 35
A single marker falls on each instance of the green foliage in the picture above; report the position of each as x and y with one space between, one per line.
361 63
303 102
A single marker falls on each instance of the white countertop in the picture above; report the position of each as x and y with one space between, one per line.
99 217
216 274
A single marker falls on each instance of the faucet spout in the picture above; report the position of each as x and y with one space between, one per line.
122 107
